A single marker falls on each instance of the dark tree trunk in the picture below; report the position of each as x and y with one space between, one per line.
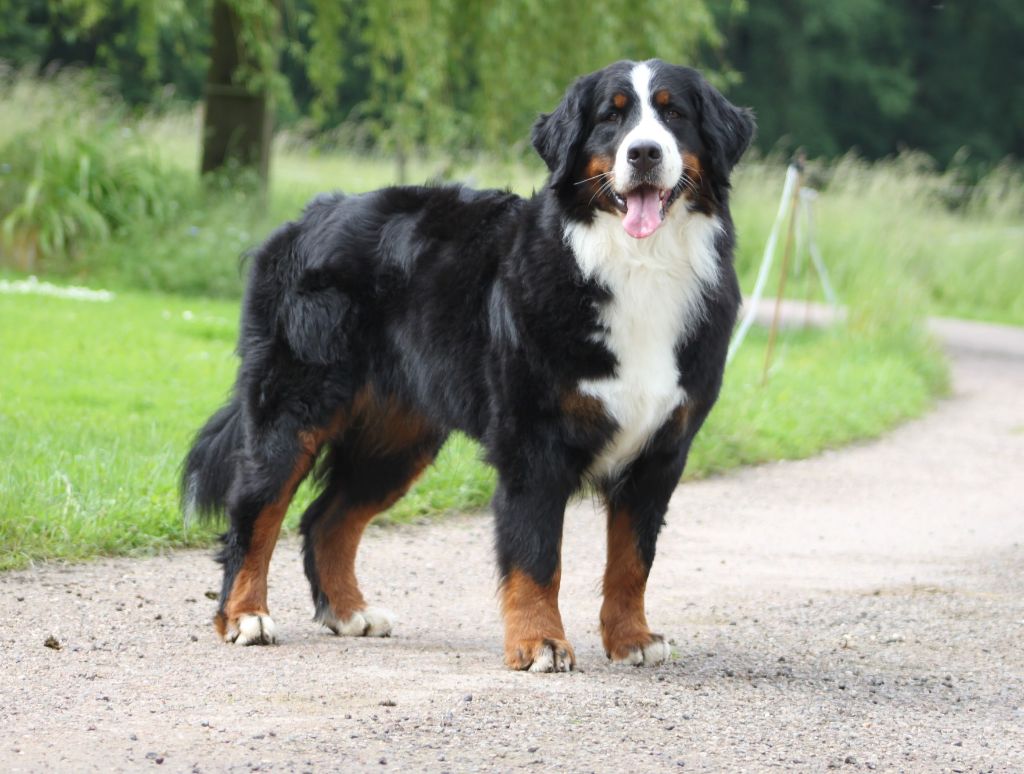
237 123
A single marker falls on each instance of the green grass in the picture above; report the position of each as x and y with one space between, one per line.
98 402
889 228
825 389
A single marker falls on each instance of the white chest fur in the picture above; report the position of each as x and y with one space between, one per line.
656 289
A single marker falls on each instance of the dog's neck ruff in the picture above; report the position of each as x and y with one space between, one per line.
657 288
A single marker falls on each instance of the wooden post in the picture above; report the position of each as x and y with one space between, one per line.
794 204
237 123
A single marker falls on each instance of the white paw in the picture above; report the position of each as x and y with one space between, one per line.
368 622
653 653
551 659
254 630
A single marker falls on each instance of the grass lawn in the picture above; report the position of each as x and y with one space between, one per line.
98 402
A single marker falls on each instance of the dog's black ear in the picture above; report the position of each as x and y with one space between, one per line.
557 136
725 129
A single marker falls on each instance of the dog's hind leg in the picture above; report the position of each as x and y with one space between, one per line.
368 470
267 480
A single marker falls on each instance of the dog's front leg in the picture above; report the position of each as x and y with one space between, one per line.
529 516
636 511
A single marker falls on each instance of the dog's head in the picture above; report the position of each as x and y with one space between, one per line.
642 140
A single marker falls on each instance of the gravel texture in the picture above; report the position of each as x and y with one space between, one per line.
863 610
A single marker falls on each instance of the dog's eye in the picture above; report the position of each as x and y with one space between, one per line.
612 117
671 115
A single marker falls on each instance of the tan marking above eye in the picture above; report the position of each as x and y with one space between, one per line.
663 97
620 100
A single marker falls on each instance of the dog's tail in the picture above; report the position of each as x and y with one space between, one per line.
210 466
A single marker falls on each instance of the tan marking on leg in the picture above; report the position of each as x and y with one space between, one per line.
249 588
337 545
385 425
532 620
336 550
623 622
220 623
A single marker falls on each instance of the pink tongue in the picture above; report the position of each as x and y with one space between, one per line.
643 212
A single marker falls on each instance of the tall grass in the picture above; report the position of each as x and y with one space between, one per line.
70 178
900 237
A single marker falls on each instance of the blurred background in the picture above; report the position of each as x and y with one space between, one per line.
145 146
324 94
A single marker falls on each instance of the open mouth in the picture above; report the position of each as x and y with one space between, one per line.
644 208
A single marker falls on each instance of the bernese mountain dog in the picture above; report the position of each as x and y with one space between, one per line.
579 335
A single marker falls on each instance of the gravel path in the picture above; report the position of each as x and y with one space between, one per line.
863 610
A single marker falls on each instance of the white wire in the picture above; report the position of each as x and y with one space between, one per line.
750 304
801 233
807 196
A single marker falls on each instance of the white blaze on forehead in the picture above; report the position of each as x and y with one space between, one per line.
649 129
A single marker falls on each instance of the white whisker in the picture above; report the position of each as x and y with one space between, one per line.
605 188
595 177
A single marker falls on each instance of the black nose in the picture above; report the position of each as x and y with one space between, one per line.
644 156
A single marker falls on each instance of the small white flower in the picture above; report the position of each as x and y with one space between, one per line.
33 286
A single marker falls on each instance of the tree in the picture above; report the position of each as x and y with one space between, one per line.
475 74
237 122
139 47
879 76
825 76
469 74
968 63
415 73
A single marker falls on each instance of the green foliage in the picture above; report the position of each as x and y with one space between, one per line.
197 253
411 73
77 189
99 402
825 389
872 75
326 54
258 40
529 52
74 179
879 76
504 63
409 101
146 49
